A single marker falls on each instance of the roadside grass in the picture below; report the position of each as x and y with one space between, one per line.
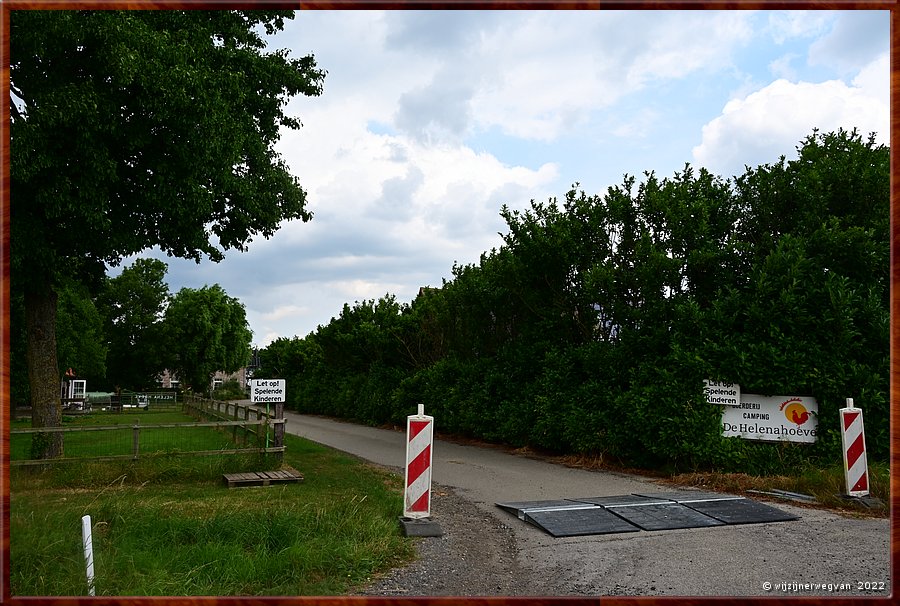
169 526
826 485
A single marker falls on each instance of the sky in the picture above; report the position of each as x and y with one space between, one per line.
431 121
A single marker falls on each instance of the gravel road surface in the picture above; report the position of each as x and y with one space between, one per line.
486 551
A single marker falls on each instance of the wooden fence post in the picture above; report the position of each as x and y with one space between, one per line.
135 440
262 430
279 430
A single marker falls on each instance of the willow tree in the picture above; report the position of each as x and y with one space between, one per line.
135 129
205 331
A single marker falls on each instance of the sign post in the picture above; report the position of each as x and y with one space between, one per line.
270 391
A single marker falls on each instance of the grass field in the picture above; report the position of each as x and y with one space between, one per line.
169 526
120 441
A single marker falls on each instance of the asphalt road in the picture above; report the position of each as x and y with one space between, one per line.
821 554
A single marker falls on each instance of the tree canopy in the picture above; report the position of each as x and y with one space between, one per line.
146 128
134 129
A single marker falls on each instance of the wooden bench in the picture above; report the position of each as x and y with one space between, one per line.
262 478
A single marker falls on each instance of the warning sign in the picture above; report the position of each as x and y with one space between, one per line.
267 390
718 392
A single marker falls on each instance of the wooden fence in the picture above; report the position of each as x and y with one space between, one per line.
228 411
251 431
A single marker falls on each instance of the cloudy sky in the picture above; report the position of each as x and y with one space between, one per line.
430 121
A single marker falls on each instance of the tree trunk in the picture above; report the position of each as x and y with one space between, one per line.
43 373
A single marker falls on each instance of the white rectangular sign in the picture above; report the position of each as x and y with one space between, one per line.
722 393
267 390
772 418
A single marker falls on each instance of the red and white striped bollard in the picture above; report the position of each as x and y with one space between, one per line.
853 440
419 438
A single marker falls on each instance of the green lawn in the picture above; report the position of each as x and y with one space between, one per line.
120 441
169 526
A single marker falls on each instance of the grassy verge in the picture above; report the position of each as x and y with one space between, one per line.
826 485
169 526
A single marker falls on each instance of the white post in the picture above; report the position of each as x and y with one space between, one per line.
87 541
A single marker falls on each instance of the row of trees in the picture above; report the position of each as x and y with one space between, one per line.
133 329
592 328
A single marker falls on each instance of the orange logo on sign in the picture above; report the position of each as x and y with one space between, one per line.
795 411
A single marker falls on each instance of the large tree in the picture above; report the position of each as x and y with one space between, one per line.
134 129
206 331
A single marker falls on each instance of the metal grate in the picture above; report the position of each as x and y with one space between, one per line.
650 511
741 511
667 516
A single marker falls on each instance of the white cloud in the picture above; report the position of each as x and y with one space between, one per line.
268 338
786 25
781 67
397 195
284 311
772 121
857 38
688 43
438 32
439 111
639 126
541 75
874 79
364 289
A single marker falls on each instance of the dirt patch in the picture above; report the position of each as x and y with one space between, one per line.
476 556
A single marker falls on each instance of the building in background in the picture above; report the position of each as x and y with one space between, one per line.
167 381
242 376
